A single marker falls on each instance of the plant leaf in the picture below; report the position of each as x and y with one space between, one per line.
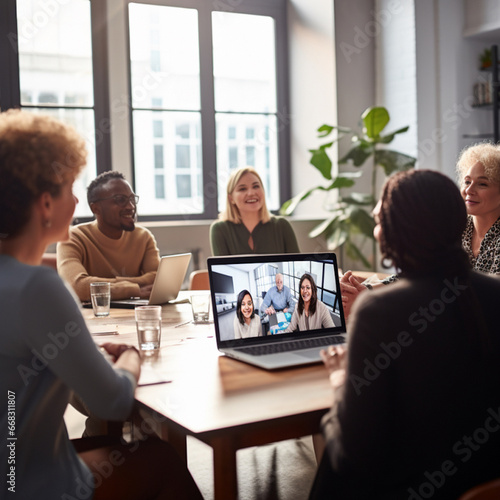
386 139
374 121
321 160
290 205
337 238
325 130
359 199
355 253
363 221
358 155
324 226
392 161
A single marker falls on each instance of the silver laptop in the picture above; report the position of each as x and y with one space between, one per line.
269 344
168 281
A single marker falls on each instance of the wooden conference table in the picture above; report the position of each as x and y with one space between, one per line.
225 403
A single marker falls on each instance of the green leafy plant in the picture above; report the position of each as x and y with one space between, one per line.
351 213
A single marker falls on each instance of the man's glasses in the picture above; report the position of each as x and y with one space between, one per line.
121 200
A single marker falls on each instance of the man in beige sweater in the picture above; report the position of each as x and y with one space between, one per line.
111 248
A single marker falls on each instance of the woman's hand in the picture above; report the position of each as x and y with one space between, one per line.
335 361
116 350
350 288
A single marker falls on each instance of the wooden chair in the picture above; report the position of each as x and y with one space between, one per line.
50 260
485 491
198 280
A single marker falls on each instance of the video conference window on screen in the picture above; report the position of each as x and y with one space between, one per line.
258 278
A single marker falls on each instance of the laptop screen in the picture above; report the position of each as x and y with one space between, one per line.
256 297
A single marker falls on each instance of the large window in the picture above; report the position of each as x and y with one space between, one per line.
56 70
205 100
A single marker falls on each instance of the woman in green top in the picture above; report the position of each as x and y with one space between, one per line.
246 226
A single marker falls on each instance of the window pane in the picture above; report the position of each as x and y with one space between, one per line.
55 68
83 121
330 278
244 62
55 51
180 162
260 151
164 62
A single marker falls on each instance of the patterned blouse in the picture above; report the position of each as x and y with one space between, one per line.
488 258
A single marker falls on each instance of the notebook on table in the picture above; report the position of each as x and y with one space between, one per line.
167 284
256 273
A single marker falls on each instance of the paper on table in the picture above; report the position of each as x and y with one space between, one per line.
149 376
280 317
103 330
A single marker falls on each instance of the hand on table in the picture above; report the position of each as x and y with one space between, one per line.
116 350
335 361
270 310
145 291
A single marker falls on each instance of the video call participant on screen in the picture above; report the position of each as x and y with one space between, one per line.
310 313
111 248
278 298
246 322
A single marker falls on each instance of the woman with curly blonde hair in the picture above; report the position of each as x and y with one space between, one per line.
478 170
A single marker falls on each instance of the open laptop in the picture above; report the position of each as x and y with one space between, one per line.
168 281
274 347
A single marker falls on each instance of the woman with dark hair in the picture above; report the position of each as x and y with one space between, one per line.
246 322
478 171
46 350
416 396
310 313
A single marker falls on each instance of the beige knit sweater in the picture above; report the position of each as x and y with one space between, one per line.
89 255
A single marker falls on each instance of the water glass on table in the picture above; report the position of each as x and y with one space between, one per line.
200 304
100 295
148 321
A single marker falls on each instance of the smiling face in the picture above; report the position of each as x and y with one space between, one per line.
279 282
248 195
247 308
481 194
112 218
306 291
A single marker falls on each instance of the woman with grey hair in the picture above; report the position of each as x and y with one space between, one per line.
478 169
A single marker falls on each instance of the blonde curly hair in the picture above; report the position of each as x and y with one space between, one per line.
37 154
484 152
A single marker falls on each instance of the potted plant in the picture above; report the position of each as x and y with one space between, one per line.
351 213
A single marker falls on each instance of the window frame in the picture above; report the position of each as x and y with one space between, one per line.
272 8
10 91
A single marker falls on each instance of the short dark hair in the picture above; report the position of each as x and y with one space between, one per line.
422 217
314 294
241 296
94 187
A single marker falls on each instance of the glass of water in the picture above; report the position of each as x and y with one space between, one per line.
148 321
100 294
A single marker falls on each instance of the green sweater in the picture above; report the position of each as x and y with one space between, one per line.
275 236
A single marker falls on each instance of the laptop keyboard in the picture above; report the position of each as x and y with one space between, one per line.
294 345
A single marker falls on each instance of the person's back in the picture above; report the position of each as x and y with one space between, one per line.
417 406
431 382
